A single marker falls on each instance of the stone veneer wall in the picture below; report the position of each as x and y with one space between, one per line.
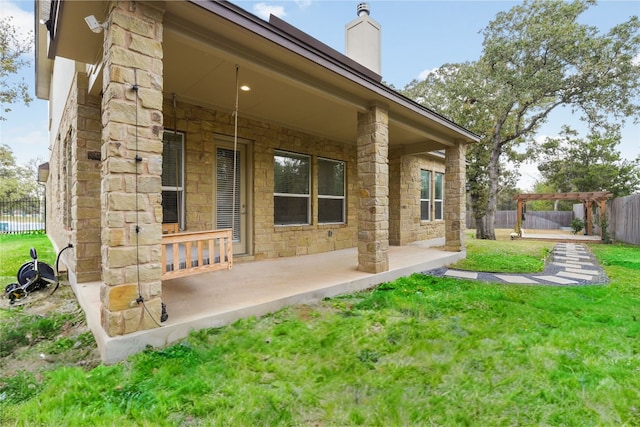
277 241
405 225
73 216
202 126
58 194
85 212
199 126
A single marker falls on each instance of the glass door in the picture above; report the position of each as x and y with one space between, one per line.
231 206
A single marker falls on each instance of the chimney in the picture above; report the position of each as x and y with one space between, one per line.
363 43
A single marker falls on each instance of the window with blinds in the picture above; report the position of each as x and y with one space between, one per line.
331 191
228 207
439 196
425 195
173 178
292 200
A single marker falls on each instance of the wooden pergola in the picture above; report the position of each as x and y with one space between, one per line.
587 199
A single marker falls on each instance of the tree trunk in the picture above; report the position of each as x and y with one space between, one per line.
481 228
492 196
477 208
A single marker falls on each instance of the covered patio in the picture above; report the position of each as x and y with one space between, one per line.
298 173
256 288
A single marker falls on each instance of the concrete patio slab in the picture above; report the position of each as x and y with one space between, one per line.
254 288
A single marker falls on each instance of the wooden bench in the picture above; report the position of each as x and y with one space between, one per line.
170 228
184 254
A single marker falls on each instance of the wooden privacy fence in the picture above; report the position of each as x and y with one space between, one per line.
534 220
623 215
184 254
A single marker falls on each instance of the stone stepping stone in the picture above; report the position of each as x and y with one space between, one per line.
566 264
558 280
583 271
570 258
575 275
462 274
580 264
569 255
516 279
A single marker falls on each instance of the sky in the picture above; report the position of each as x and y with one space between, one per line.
417 36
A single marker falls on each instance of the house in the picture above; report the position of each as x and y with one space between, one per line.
196 116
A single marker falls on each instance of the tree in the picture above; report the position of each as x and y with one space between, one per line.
507 188
570 163
12 51
16 182
536 57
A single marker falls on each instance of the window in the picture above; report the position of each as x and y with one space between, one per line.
331 206
66 177
425 195
438 196
291 198
173 178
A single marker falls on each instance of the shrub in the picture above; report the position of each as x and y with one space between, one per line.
577 225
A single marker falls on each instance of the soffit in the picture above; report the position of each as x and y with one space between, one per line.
72 37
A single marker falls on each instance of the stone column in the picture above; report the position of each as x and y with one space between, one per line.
373 180
454 197
131 168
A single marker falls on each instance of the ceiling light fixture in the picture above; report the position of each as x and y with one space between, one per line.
245 88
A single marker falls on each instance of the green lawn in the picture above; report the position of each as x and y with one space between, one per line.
417 351
505 255
14 251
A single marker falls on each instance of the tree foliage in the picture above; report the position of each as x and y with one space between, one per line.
16 182
12 58
536 57
570 163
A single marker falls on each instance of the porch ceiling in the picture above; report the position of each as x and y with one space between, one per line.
202 50
202 74
299 87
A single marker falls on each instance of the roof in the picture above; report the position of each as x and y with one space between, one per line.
299 82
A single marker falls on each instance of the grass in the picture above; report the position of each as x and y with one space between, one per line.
20 329
416 351
14 251
505 255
